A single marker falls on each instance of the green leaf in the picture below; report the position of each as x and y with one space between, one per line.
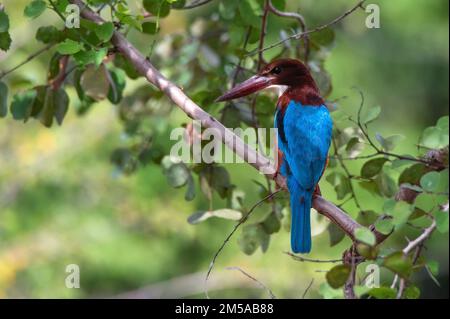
69 47
271 224
227 9
227 213
433 267
39 100
384 226
3 99
35 9
329 293
441 221
250 10
365 236
399 264
22 104
177 175
95 83
220 213
341 184
382 293
371 115
49 34
93 56
237 199
371 187
61 5
159 8
412 174
443 123
124 64
5 41
425 202
354 147
367 217
124 160
386 184
436 136
373 167
150 27
389 143
324 38
338 275
61 105
46 114
430 181
411 292
251 237
220 181
336 234
177 4
198 217
117 85
4 21
400 212
190 191
368 252
104 31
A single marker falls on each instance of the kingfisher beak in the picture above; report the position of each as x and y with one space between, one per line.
254 84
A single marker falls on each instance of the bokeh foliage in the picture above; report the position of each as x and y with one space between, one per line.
214 49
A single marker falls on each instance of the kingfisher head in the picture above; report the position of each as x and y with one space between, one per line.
289 73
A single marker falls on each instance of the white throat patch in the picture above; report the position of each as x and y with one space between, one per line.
280 89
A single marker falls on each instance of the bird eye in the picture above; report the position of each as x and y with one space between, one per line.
276 70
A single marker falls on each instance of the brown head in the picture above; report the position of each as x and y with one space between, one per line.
284 72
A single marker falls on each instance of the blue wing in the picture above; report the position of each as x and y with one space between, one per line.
304 137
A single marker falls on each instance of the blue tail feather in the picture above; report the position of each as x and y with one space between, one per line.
300 223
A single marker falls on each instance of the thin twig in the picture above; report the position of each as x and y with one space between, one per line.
378 151
28 59
419 240
235 228
307 288
416 244
304 259
347 172
300 35
272 296
263 34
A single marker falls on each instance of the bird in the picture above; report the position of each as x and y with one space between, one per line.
304 131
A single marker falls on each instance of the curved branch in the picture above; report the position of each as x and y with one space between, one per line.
299 18
232 141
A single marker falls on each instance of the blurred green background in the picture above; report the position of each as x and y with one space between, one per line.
62 201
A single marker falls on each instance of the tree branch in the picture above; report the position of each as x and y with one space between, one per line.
269 291
416 244
232 141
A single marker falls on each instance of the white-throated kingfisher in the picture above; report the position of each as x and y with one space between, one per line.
304 129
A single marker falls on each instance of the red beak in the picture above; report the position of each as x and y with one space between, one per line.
252 85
